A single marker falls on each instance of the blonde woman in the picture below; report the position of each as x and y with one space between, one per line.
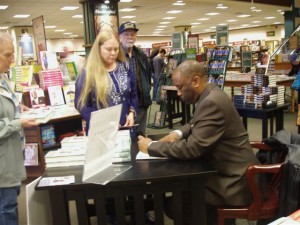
106 81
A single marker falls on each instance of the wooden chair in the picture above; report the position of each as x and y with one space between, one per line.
264 205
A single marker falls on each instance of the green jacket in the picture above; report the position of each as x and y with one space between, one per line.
12 169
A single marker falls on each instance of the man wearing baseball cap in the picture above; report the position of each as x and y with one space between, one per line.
140 65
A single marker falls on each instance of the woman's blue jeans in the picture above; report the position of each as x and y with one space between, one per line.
9 205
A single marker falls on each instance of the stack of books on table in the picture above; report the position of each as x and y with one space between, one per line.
71 153
41 115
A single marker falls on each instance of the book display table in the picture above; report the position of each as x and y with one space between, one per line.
237 80
145 177
265 115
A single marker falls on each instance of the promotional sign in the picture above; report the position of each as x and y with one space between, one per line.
106 17
222 35
39 36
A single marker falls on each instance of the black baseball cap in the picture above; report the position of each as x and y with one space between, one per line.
127 26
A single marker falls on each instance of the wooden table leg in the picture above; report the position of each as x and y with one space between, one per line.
60 208
232 92
292 100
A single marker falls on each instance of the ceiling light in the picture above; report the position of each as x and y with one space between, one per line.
244 15
245 25
125 0
195 23
179 3
67 33
3 28
69 8
203 19
106 1
3 6
230 21
221 6
174 11
168 18
127 10
59 30
222 24
77 16
21 16
270 17
256 21
159 29
161 26
212 14
164 22
127 17
50 27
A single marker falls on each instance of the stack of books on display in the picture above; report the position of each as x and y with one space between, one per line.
260 92
22 76
71 153
122 147
50 78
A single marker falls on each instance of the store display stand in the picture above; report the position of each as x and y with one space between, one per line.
217 65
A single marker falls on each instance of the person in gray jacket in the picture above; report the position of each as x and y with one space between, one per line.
12 142
215 134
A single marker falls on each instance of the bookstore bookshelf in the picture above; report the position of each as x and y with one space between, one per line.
47 136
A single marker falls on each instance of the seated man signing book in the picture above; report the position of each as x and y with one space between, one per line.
215 134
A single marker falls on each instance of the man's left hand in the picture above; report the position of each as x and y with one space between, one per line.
143 144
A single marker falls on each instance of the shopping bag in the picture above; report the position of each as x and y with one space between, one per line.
296 83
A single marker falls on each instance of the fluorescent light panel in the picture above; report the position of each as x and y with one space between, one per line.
69 8
2 7
21 16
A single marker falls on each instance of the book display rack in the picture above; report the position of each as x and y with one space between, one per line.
48 135
217 65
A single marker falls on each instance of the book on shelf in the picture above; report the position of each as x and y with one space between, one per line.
65 164
50 78
31 157
41 115
122 147
56 95
48 135
74 141
46 181
69 93
71 67
37 97
63 155
49 60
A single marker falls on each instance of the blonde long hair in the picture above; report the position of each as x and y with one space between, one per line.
97 77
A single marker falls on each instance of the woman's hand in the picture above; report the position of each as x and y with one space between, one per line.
129 119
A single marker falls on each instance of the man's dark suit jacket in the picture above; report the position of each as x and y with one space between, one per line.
215 133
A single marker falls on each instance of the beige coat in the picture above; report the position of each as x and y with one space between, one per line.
215 133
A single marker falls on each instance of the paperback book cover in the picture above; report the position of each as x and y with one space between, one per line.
31 154
56 95
37 97
48 135
69 93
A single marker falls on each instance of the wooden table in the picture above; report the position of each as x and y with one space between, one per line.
175 107
145 177
240 80
265 115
